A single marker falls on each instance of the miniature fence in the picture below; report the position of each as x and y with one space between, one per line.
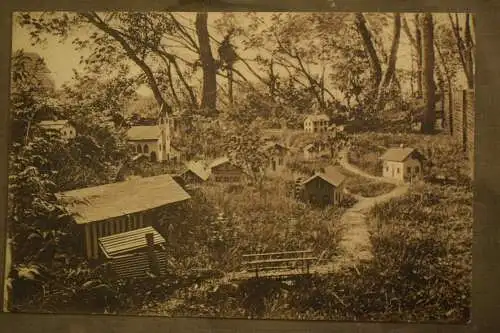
278 261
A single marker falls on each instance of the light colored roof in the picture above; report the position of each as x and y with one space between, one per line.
122 198
397 154
309 146
198 169
53 124
218 161
122 243
331 175
138 133
317 117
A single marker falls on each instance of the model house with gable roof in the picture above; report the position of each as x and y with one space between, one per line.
195 172
402 163
316 123
63 127
324 188
223 170
279 156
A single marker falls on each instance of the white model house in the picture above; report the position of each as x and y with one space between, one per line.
316 123
402 163
63 127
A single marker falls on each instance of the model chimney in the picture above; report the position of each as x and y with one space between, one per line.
153 261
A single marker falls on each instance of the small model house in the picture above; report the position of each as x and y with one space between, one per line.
117 208
324 188
195 173
402 163
63 127
315 150
278 158
222 170
316 123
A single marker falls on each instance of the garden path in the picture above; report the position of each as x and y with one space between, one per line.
355 245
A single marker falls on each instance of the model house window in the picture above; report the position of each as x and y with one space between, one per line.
139 149
408 169
146 149
387 168
280 161
397 170
417 169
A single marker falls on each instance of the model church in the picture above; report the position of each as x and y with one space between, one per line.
153 141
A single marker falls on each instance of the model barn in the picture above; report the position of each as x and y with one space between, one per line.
118 208
222 170
195 173
324 188
402 163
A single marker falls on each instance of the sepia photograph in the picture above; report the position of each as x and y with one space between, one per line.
252 165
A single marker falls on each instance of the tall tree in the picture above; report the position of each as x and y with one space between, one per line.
428 85
381 79
209 95
465 45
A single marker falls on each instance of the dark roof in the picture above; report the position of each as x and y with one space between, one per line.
271 144
122 198
198 169
331 175
138 133
398 154
126 242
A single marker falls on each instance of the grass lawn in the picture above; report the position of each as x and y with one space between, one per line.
444 155
359 185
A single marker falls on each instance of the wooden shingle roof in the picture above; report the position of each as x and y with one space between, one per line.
138 133
122 198
127 242
198 169
331 175
399 154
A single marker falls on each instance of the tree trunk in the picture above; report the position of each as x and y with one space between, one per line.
418 39
429 88
230 85
209 94
389 74
370 49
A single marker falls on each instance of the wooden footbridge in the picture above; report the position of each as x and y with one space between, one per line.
279 266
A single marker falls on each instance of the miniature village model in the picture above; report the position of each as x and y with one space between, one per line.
242 165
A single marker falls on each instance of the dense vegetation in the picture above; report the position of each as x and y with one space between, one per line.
267 73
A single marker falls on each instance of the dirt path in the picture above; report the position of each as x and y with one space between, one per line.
355 245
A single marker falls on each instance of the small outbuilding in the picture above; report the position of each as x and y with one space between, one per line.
224 171
120 207
279 156
324 188
195 172
402 163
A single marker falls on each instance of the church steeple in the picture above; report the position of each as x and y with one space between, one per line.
163 124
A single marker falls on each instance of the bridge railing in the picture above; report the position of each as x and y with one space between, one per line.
278 261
